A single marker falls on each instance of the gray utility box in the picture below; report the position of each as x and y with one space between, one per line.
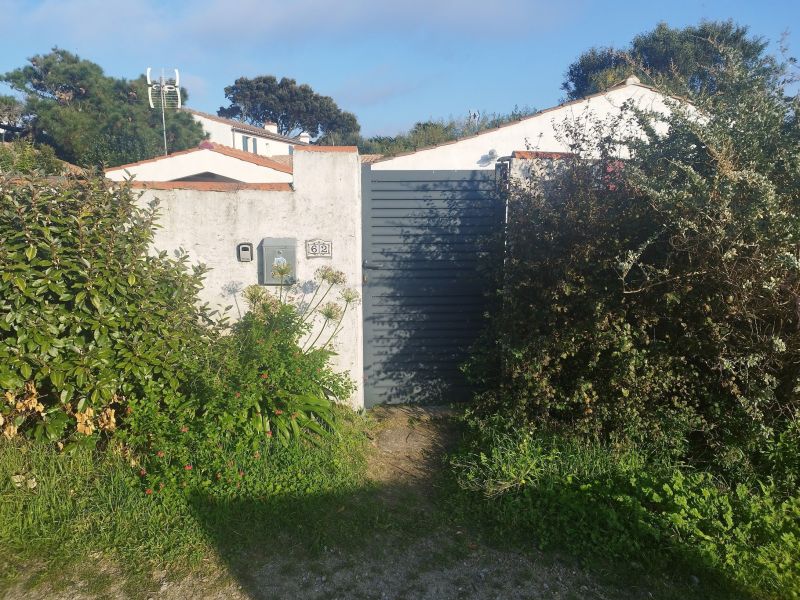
273 252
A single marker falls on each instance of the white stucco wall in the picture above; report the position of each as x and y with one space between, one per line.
325 203
222 133
177 166
539 132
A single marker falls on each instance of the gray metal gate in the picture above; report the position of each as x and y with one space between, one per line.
425 234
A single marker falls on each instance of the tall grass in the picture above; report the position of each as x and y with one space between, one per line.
60 509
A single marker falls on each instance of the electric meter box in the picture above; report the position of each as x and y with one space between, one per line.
277 253
244 252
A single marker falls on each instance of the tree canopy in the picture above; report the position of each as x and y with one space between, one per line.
90 118
429 133
683 61
10 114
295 108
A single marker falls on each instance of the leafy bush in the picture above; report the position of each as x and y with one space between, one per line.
22 157
614 503
94 326
655 298
266 380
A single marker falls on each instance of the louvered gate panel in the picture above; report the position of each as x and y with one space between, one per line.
425 235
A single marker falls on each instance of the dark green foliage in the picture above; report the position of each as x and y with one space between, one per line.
92 119
93 324
22 157
614 503
295 108
682 61
647 338
252 389
656 299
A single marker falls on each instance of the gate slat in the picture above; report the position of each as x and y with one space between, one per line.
425 235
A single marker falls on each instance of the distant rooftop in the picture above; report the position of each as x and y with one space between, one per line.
246 127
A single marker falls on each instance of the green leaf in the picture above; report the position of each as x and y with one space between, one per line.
25 370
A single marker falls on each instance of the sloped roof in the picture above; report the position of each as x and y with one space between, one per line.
256 159
631 81
246 127
210 186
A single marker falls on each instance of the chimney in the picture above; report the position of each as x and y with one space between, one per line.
304 138
271 127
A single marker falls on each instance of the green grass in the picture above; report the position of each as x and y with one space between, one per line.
621 511
91 504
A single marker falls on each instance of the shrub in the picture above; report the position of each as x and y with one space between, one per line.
94 326
268 380
22 157
655 298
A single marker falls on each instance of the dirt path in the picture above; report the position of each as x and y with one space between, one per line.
414 551
426 557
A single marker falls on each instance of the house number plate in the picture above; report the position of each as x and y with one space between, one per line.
319 249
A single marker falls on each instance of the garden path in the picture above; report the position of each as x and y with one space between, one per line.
418 548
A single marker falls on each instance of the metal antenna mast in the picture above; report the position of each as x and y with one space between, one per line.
164 94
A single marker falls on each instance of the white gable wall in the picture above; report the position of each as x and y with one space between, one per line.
222 133
178 166
538 132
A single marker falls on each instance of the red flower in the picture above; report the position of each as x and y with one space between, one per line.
187 467
269 434
241 473
148 491
160 454
264 376
237 394
142 472
278 411
184 429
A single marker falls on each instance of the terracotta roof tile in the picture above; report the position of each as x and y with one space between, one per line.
210 186
284 159
368 159
246 156
226 150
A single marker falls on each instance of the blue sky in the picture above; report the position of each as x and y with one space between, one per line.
391 63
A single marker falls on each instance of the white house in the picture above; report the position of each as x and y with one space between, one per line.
539 132
210 163
264 141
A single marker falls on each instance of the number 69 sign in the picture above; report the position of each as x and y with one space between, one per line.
319 249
